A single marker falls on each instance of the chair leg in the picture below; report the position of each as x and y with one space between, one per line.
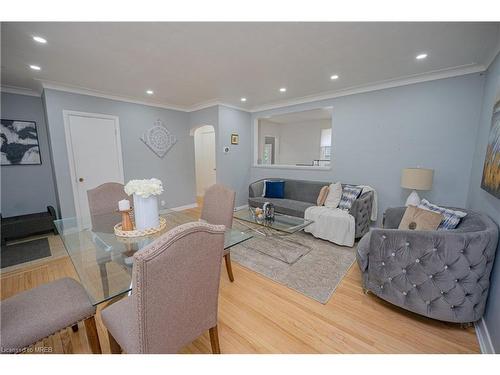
214 339
229 268
114 347
75 327
92 336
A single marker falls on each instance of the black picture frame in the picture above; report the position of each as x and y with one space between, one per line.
7 123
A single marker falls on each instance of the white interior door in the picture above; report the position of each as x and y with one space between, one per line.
205 159
94 151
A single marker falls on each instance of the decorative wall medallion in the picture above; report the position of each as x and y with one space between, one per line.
159 139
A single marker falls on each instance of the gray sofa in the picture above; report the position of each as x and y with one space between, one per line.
442 274
301 194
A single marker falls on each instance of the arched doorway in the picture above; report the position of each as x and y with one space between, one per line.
204 150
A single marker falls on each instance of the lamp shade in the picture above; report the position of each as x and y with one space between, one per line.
417 178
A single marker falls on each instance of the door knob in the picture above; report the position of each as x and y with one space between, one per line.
80 179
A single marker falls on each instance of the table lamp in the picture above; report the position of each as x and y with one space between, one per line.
416 179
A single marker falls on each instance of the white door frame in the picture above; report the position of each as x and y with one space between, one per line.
69 148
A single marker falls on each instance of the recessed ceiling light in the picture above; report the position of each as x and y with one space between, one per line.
283 89
243 99
421 56
39 39
335 76
35 67
150 92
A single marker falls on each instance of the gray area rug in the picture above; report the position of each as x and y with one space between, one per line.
306 264
23 252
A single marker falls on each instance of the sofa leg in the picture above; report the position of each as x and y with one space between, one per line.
365 291
466 325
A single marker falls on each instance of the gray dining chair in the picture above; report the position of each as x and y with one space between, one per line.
218 208
175 288
30 316
103 208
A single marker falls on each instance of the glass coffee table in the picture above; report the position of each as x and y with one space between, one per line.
283 224
104 261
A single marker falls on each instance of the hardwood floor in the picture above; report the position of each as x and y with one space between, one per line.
257 315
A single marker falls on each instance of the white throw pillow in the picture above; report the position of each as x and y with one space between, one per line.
334 195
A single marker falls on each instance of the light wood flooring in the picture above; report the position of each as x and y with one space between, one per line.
257 315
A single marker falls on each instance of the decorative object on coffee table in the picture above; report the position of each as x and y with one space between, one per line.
416 179
159 139
145 194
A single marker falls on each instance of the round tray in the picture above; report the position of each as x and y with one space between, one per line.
140 233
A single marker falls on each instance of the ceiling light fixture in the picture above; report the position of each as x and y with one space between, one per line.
35 67
243 99
39 39
283 89
335 76
421 56
150 92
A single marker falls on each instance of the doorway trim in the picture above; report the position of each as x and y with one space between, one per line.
69 148
192 132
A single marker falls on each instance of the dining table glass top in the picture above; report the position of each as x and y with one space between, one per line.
103 261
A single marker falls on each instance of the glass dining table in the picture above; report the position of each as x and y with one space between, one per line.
103 261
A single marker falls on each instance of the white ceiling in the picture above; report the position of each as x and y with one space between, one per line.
190 64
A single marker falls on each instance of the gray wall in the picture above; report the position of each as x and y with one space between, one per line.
27 188
482 201
233 168
376 134
176 169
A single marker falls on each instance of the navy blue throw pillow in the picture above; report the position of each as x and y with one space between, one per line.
275 189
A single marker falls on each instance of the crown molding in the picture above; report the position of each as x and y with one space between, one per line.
387 84
19 91
51 85
381 85
212 103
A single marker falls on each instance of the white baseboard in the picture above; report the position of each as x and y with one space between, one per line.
483 336
186 207
241 207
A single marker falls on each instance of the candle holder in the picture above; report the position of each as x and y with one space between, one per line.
126 222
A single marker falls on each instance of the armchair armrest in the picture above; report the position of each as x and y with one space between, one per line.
361 210
255 189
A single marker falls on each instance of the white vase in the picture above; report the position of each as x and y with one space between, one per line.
146 212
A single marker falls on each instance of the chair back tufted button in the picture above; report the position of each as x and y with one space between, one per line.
393 254
383 263
434 249
407 244
404 270
427 302
442 292
417 260
404 293
430 276
390 279
384 236
414 285
445 267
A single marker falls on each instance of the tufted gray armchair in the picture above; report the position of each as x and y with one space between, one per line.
443 275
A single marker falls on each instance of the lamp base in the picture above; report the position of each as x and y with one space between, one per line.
413 199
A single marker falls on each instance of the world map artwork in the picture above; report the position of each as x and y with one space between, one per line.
19 143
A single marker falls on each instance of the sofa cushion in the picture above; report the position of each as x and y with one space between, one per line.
323 193
282 206
419 219
349 194
274 189
451 217
334 195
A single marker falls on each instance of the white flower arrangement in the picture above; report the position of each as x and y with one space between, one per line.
144 188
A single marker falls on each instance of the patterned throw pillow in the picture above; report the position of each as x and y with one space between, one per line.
349 194
451 217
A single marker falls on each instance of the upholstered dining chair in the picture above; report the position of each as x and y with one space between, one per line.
30 316
103 207
218 208
175 288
